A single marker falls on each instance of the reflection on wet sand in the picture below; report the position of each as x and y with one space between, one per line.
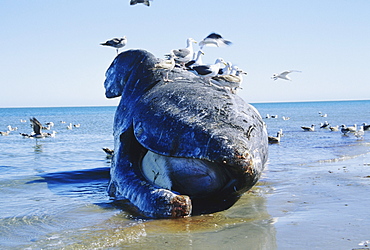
246 225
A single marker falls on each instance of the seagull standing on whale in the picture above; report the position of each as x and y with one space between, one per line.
209 71
168 64
116 43
214 39
283 75
186 54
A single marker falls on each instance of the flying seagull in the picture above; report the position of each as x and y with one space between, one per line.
116 43
214 39
145 2
283 75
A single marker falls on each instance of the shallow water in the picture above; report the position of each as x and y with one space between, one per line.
313 193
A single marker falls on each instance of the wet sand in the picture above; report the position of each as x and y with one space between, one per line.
318 206
321 206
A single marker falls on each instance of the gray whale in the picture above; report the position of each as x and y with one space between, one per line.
182 146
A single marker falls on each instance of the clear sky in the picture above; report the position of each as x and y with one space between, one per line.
50 53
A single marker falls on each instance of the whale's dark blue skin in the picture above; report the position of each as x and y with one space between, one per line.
186 118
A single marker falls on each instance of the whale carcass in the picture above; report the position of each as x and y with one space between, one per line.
182 146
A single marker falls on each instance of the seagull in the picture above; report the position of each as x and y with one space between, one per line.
116 43
227 69
209 71
344 129
234 79
352 128
312 128
366 126
145 2
37 128
285 118
214 39
335 128
168 64
51 134
10 128
324 125
274 140
69 126
283 75
360 133
4 133
197 60
184 55
108 151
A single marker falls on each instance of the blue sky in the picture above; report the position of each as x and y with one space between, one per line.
50 52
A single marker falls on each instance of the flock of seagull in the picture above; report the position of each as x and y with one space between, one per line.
37 129
357 131
189 59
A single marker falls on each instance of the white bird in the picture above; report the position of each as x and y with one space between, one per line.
168 65
51 134
209 71
283 75
344 129
227 69
145 2
366 126
352 128
10 128
324 125
184 55
197 59
69 126
359 133
4 133
214 39
312 128
116 43
334 128
232 80
273 139
285 118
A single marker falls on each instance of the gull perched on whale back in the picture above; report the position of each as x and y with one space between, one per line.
214 39
209 71
168 64
116 43
197 59
232 80
145 2
283 75
185 55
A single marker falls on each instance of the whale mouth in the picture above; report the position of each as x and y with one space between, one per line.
187 176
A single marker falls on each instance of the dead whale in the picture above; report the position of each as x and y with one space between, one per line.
183 146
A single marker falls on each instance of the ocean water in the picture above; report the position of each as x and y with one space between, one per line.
313 193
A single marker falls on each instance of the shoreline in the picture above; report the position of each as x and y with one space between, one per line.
322 204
